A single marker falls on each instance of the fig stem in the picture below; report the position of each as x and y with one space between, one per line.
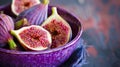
45 2
12 44
21 23
13 32
54 11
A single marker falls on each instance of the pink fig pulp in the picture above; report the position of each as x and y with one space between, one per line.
33 37
59 29
19 6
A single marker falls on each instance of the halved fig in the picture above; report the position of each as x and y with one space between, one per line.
33 37
59 29
18 6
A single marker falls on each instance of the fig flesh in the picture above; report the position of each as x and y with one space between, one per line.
36 14
33 37
20 5
6 24
59 29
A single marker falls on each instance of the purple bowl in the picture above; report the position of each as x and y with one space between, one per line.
48 58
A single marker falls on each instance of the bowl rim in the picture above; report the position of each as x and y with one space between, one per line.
77 37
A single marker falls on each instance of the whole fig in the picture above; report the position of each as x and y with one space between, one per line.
59 29
6 24
19 6
33 37
36 14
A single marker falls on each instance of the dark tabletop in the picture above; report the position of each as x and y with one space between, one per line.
101 22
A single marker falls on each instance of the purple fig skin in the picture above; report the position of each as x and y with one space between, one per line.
35 15
48 58
6 24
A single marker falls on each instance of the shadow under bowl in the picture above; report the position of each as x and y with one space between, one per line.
48 58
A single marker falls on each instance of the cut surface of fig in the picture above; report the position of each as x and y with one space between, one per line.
59 29
33 37
20 5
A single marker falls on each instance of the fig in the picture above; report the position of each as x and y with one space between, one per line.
6 24
59 29
18 6
33 37
36 14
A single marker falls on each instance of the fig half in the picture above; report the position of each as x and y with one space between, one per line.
20 5
59 29
33 37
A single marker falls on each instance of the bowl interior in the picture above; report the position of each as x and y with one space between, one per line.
75 26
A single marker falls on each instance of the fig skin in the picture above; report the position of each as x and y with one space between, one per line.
19 6
36 14
59 28
6 24
33 37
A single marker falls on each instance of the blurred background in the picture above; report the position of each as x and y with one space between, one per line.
101 22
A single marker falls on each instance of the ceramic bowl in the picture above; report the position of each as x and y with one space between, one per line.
48 58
